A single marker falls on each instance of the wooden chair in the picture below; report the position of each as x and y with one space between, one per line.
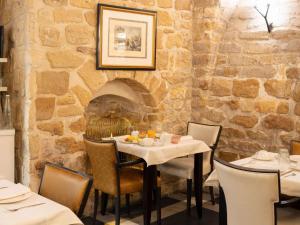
295 147
114 178
251 196
184 167
65 186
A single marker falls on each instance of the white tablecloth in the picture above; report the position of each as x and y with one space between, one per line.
50 213
161 154
290 185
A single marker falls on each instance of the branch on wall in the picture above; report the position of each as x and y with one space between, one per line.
265 16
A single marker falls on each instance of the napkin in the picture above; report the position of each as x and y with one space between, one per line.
13 191
5 184
186 138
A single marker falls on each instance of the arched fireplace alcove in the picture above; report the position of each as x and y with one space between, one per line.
119 106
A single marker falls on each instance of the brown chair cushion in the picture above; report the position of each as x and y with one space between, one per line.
64 186
131 180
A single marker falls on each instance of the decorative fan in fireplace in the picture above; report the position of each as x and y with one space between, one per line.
100 127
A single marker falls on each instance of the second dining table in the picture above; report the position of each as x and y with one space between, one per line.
156 155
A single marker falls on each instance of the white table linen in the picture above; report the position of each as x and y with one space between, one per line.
290 185
50 213
156 155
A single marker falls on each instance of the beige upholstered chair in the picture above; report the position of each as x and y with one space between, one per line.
65 186
184 167
114 178
295 147
252 196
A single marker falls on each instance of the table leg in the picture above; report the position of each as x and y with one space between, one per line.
222 208
149 176
198 182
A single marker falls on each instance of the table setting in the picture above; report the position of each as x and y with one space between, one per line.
288 166
20 206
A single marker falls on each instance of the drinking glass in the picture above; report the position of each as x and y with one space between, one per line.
284 159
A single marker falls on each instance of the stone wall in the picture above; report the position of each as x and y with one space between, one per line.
14 16
63 79
245 78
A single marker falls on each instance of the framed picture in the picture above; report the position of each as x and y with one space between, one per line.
126 38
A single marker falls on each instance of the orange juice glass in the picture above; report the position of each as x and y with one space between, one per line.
151 134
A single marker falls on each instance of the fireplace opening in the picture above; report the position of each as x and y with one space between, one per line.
120 106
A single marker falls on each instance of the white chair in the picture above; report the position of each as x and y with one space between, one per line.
184 167
252 196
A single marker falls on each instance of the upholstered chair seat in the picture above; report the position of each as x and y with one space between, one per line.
184 167
65 186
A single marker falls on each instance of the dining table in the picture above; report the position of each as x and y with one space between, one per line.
20 206
289 178
156 155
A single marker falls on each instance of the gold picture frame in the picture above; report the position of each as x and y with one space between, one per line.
126 38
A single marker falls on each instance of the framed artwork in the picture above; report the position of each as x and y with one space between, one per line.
126 38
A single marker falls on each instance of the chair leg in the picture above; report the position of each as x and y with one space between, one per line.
104 200
189 188
128 204
117 210
212 196
158 204
95 205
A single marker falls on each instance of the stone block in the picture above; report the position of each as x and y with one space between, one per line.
281 122
78 35
296 92
86 4
297 109
70 110
227 71
62 15
67 99
247 105
54 128
230 48
257 135
283 108
82 94
221 87
265 106
49 36
183 5
245 121
165 3
69 145
56 3
232 133
44 108
91 18
93 78
164 18
233 104
246 88
52 82
162 60
78 126
278 88
293 73
77 161
64 59
258 71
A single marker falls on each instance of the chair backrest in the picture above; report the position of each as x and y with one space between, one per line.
104 160
295 147
65 186
250 194
210 134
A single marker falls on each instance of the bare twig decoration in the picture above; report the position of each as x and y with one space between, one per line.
269 25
